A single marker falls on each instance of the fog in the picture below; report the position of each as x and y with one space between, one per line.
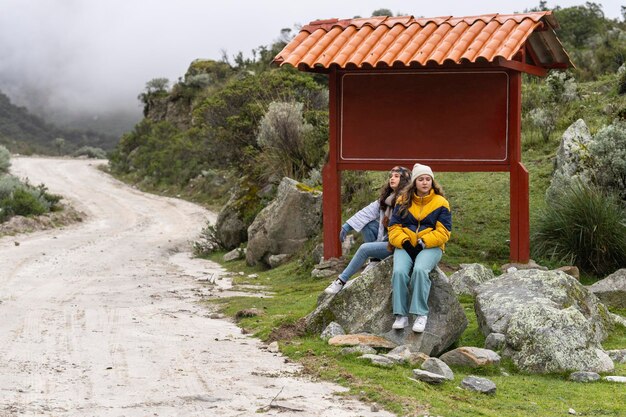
93 57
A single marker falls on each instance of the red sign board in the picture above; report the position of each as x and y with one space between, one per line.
430 116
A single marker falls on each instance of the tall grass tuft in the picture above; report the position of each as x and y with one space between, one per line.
585 227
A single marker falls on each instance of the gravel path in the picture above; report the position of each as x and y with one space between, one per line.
101 318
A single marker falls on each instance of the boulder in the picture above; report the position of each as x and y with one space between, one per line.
469 277
544 339
364 305
612 289
550 321
230 228
573 150
286 224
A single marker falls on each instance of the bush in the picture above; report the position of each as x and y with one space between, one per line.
608 159
91 152
19 198
5 160
207 242
287 142
585 227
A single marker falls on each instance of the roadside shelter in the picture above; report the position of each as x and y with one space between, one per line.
444 91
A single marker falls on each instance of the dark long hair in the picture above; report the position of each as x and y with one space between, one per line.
407 196
386 190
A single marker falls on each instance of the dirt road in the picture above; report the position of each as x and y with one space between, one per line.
101 318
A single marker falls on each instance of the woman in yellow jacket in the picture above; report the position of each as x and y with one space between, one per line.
419 229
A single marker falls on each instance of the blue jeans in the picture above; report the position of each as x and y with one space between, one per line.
367 250
410 281
370 232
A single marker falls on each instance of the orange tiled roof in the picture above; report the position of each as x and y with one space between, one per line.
379 42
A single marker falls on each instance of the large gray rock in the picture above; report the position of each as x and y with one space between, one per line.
364 305
572 151
612 289
550 321
230 228
285 225
465 280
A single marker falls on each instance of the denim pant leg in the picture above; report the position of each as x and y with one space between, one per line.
425 262
367 250
400 281
370 231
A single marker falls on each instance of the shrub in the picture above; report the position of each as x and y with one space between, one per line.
207 242
21 198
608 158
562 87
585 227
543 120
283 135
91 152
21 202
5 160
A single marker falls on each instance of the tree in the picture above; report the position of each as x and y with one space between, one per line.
156 87
580 23
59 143
382 12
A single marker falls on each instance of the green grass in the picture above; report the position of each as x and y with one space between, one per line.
518 394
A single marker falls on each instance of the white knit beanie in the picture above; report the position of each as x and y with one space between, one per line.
419 169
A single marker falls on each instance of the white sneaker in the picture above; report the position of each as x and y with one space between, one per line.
400 323
370 265
335 286
420 324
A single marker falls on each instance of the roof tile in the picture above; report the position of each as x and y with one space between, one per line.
406 41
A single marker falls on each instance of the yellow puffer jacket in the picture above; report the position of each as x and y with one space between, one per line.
428 218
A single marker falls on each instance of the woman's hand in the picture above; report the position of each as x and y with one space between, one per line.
411 250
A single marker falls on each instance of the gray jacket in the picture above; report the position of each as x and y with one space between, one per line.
368 213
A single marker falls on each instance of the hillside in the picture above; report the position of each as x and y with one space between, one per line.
237 128
25 133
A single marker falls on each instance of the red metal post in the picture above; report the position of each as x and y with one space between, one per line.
519 202
331 179
524 214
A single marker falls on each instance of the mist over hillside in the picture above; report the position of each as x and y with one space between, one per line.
24 132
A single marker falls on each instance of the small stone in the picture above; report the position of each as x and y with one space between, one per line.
378 360
439 367
374 408
253 276
428 377
361 339
332 330
16 243
495 341
572 411
362 349
273 347
621 379
483 385
583 376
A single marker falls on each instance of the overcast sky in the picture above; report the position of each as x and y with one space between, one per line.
97 54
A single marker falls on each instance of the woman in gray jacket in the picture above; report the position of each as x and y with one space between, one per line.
371 221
